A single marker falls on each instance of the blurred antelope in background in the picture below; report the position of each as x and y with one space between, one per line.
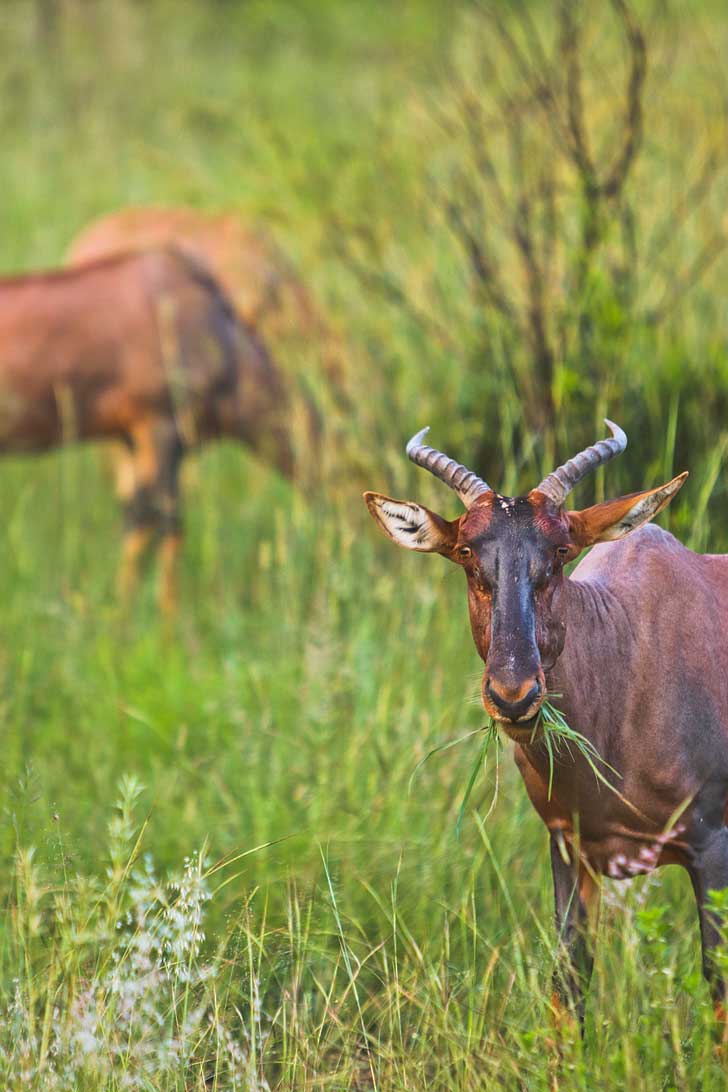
266 290
147 350
270 297
634 643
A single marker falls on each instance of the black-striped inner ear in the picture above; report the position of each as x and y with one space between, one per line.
406 519
410 525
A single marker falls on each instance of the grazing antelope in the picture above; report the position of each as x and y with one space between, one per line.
632 642
257 276
269 297
145 349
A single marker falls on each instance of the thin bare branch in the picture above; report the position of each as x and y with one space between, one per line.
549 230
482 265
617 176
570 46
523 231
538 83
481 158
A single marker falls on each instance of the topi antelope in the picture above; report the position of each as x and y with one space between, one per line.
631 643
266 289
144 349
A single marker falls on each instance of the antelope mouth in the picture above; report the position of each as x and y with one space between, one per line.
523 731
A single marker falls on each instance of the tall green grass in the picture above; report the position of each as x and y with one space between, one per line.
269 736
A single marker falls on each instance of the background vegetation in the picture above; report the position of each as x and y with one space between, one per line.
422 164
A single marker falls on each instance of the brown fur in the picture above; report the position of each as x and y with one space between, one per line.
257 276
144 349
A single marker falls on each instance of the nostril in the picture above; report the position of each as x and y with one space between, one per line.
496 697
533 693
493 694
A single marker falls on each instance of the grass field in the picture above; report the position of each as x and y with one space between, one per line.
218 871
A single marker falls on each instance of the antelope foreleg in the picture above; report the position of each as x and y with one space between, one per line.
136 541
153 508
576 900
169 523
168 569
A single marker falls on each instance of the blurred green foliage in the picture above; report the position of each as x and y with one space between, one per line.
312 666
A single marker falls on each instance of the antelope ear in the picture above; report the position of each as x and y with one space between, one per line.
410 525
616 518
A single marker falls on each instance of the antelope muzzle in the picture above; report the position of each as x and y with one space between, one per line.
513 702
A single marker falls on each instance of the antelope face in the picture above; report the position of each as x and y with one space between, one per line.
513 551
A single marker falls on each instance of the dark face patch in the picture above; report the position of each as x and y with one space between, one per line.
513 550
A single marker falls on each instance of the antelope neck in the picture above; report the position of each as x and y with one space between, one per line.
585 683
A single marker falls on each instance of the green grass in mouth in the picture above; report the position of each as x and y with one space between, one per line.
550 728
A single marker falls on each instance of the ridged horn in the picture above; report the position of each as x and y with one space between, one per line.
466 484
561 481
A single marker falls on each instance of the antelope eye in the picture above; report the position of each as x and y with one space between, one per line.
464 551
562 552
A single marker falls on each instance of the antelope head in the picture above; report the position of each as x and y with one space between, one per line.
513 551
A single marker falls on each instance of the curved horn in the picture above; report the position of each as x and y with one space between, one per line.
466 484
559 484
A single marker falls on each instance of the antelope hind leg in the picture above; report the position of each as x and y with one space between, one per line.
710 873
136 541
